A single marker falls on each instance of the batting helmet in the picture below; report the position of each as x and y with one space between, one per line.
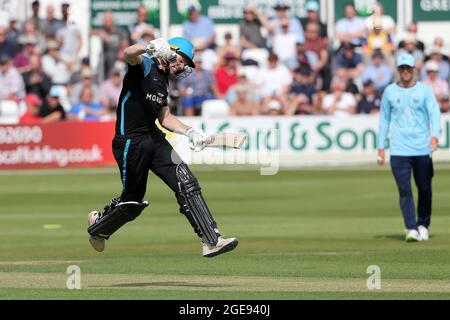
183 47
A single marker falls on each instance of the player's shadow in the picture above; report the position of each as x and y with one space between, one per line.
391 237
165 284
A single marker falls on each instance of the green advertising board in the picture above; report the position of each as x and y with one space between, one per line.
431 10
229 11
124 12
364 7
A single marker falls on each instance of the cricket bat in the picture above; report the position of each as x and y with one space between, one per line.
227 139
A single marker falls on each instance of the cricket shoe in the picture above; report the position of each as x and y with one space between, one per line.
222 246
96 242
412 235
423 232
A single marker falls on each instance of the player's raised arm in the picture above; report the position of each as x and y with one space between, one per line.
133 54
158 48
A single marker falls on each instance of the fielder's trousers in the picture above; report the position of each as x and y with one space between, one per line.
422 170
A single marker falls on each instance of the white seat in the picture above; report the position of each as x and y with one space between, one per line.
215 108
9 112
260 55
251 72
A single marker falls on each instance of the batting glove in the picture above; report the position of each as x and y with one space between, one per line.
159 48
197 139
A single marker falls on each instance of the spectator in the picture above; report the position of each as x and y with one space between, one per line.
284 44
51 25
87 80
199 27
29 31
445 104
13 32
141 28
378 39
34 19
313 16
350 61
410 47
274 81
370 100
120 62
439 87
229 47
305 58
378 17
56 65
319 46
147 35
250 36
112 38
378 72
244 105
243 81
226 75
196 89
302 93
351 28
11 82
144 35
299 105
69 36
36 81
7 47
350 86
31 116
22 58
411 31
438 43
339 102
76 75
273 108
51 110
436 55
209 58
294 26
86 109
110 91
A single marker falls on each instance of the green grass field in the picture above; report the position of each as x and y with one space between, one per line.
304 234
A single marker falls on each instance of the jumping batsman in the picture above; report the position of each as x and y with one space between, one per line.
139 146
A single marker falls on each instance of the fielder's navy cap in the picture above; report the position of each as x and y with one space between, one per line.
405 60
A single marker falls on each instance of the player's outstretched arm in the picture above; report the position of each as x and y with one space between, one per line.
170 122
197 140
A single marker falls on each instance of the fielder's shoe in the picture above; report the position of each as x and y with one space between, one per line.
423 232
412 235
222 246
96 242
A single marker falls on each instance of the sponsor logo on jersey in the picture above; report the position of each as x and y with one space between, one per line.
155 98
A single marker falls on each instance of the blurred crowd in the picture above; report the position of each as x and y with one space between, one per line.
280 65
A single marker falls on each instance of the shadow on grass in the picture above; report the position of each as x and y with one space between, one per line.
163 284
399 237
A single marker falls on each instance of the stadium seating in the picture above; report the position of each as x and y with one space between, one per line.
215 108
258 55
9 112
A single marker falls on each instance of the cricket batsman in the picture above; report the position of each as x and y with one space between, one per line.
139 146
